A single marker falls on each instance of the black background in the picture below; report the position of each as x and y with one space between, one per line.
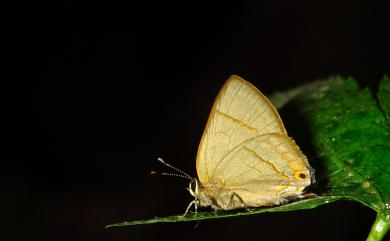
93 93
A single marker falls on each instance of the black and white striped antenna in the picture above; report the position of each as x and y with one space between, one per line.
179 174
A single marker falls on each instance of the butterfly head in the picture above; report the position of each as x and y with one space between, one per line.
197 190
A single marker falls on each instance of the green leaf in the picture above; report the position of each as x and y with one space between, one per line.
344 133
348 141
384 97
299 205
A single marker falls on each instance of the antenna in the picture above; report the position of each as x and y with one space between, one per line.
179 174
169 174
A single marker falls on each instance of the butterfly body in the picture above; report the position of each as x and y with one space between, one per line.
245 157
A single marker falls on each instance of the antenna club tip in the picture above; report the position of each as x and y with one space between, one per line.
182 174
160 159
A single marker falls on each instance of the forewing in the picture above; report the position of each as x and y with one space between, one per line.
240 112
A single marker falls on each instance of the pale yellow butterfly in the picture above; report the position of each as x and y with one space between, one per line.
245 157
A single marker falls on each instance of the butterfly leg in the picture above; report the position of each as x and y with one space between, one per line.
194 202
244 205
234 198
214 204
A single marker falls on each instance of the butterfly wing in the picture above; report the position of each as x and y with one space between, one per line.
240 112
263 170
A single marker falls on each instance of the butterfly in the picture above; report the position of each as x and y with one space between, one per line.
245 158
